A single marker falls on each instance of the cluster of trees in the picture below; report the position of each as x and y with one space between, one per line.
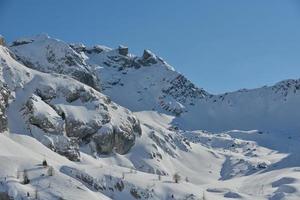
26 180
176 178
25 177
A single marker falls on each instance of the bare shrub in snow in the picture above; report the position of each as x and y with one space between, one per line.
187 179
25 177
176 177
35 195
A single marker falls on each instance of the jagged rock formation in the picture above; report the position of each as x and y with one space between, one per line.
62 113
182 89
85 117
149 81
4 95
48 127
2 40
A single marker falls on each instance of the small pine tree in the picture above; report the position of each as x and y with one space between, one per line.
25 177
176 177
159 177
35 194
44 163
50 171
187 179
18 174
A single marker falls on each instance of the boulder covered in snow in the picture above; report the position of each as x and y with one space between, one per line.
44 116
47 126
78 115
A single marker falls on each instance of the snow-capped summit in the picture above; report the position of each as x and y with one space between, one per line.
51 55
142 83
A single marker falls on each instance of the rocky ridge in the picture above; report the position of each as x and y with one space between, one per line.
63 113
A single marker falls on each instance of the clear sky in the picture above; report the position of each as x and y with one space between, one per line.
219 45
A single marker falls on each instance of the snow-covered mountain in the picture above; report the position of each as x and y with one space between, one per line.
149 83
112 125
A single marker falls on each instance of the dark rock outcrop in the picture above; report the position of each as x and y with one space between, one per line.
64 129
147 59
2 40
123 50
4 95
41 116
181 89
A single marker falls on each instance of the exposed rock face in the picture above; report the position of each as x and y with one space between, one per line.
182 89
123 139
4 94
104 139
172 106
22 42
48 127
2 40
148 80
44 116
50 55
148 58
70 149
123 50
4 196
120 57
64 118
119 138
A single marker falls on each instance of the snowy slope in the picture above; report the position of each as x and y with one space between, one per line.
50 55
215 169
272 108
238 145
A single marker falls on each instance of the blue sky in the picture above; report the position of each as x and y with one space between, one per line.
219 45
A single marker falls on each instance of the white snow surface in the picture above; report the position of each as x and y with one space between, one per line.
238 145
